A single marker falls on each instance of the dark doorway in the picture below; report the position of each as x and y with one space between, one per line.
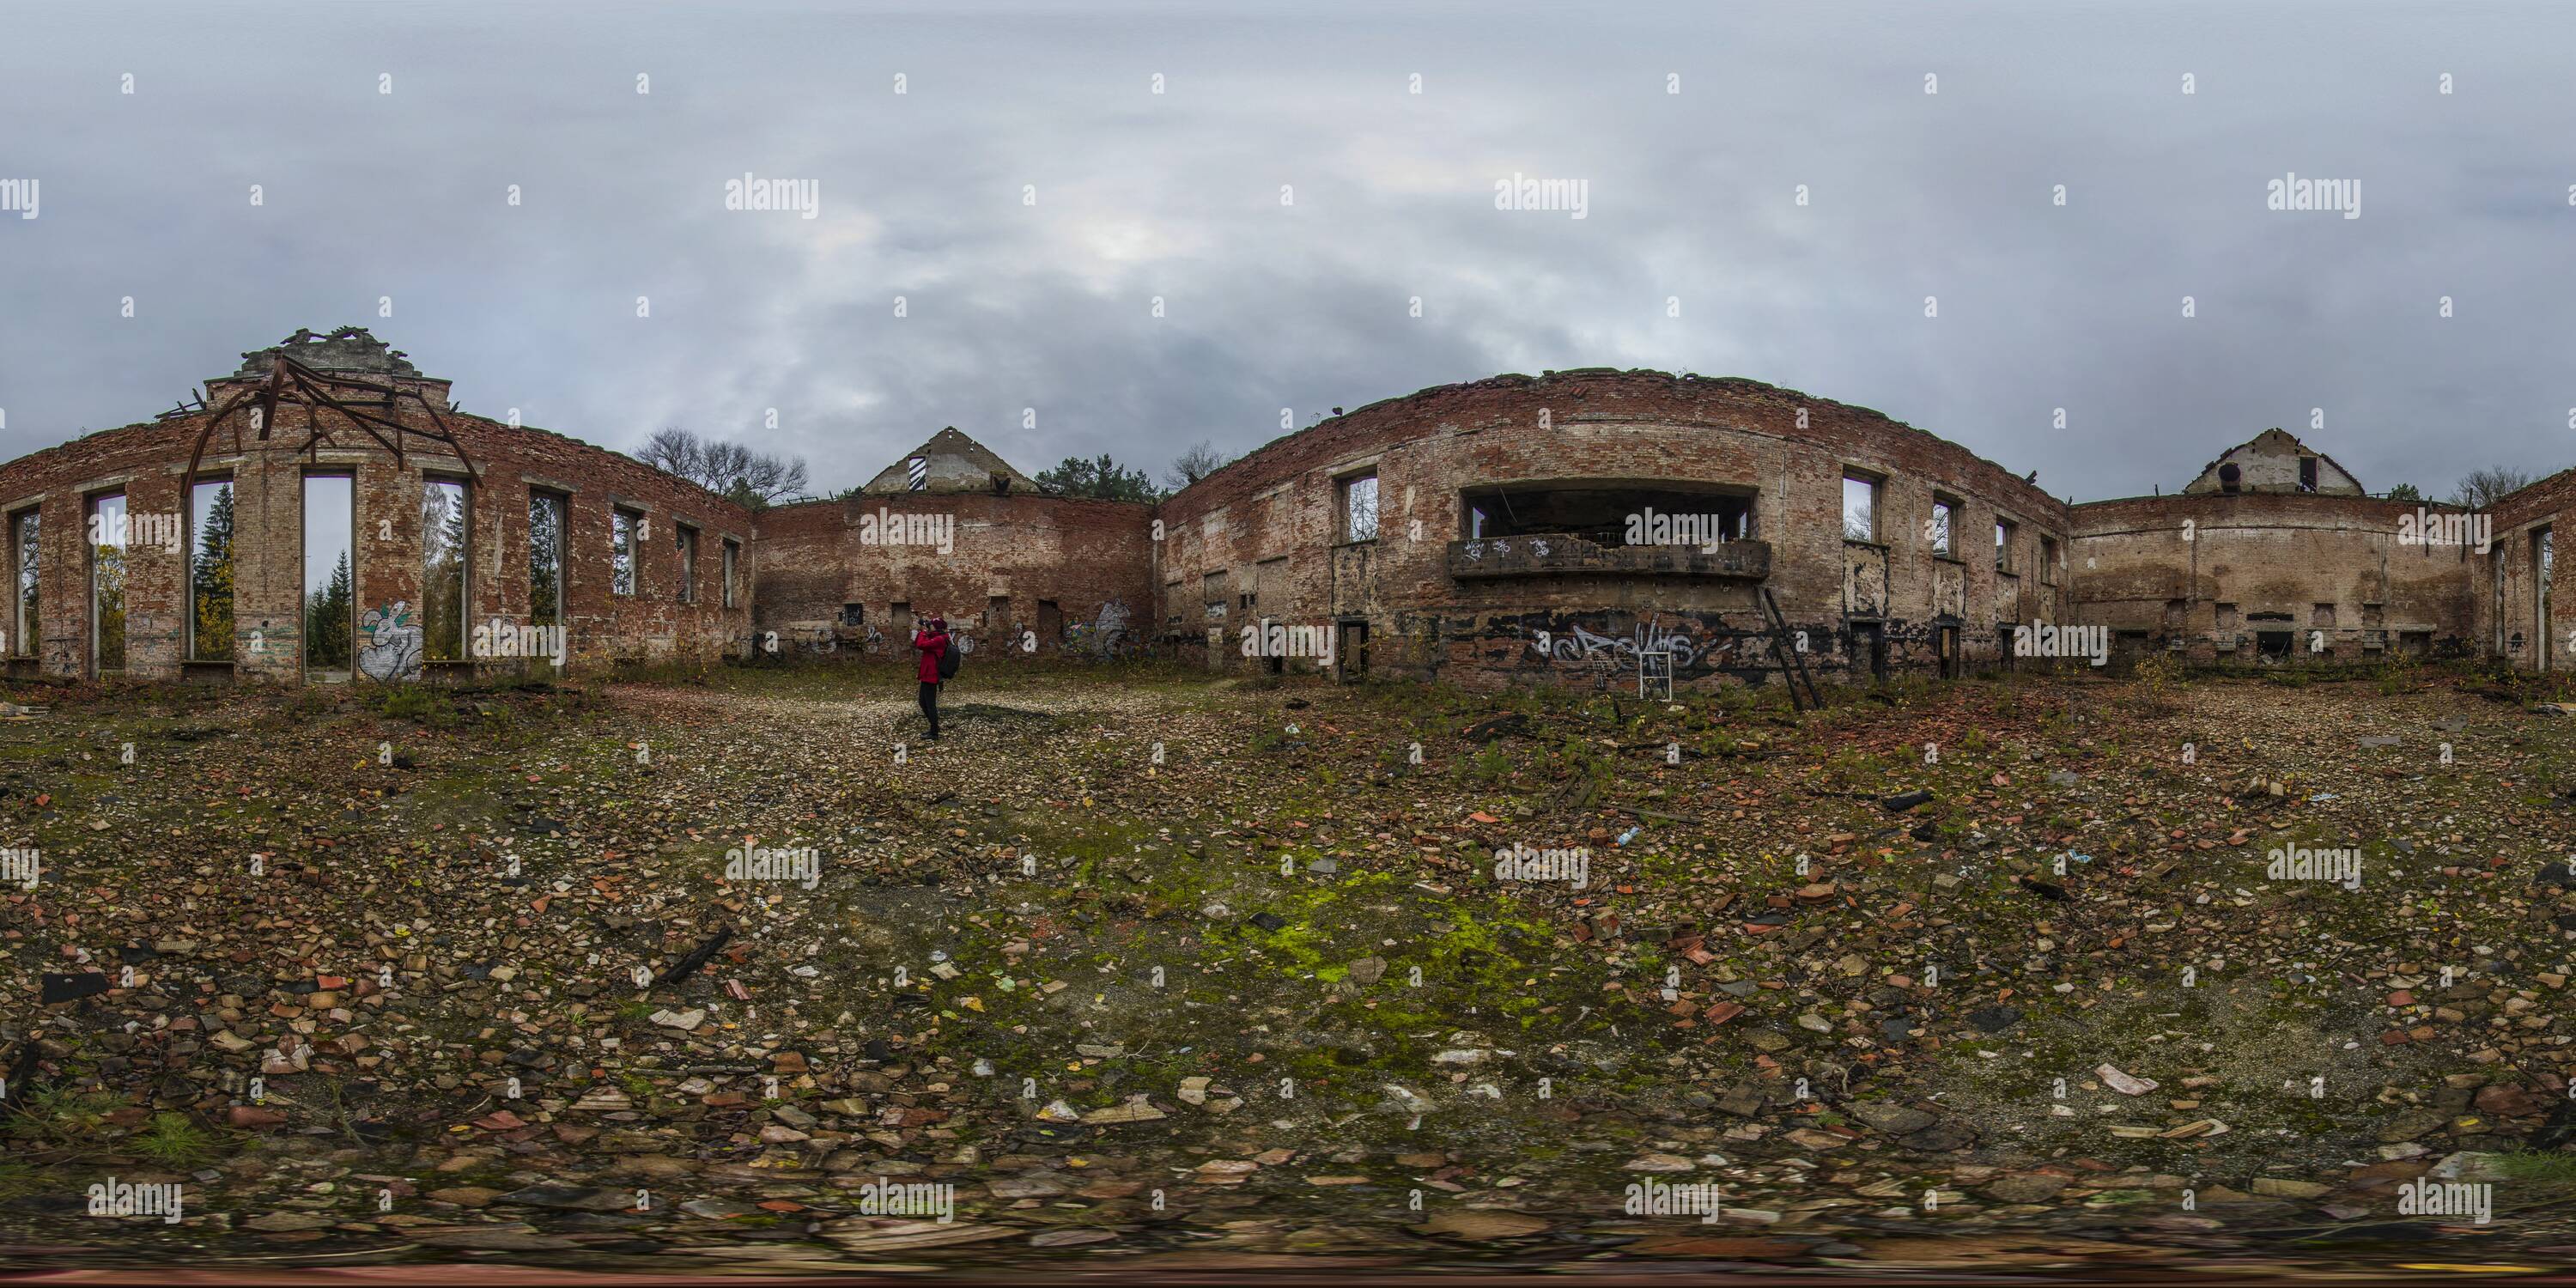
1945 648
2128 648
1352 649
1050 624
2273 645
1869 643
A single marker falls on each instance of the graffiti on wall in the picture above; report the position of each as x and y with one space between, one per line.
1697 645
392 652
1105 636
1608 648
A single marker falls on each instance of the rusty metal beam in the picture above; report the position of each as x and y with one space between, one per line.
291 382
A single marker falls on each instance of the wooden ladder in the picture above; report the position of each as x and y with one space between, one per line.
1793 665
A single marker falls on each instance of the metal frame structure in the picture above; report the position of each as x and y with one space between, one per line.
291 383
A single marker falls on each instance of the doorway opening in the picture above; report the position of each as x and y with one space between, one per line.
1352 649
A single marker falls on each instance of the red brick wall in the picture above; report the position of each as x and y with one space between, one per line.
2548 504
1281 503
2269 553
148 462
1087 558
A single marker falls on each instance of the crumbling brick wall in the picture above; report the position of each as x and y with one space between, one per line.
149 463
2221 572
2506 594
1062 574
1263 536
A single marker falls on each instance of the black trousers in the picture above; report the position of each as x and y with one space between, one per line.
930 704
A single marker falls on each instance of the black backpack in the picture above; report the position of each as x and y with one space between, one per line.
948 660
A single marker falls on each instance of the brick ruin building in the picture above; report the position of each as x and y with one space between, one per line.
324 512
1597 527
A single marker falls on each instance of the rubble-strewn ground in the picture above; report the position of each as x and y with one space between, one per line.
1163 972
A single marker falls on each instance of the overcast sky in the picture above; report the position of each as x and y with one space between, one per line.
1691 197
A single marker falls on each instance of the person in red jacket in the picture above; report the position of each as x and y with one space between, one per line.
931 639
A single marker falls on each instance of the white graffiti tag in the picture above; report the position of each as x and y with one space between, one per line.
1582 647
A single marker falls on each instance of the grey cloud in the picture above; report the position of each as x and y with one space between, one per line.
1176 195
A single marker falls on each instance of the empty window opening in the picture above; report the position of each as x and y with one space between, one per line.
330 575
1860 508
1359 508
210 571
2543 561
107 583
545 559
1941 512
443 534
622 527
1609 514
25 529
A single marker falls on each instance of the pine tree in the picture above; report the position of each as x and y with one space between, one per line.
545 560
327 625
442 608
214 579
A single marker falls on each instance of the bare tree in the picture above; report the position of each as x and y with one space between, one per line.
2480 488
673 451
755 479
1195 464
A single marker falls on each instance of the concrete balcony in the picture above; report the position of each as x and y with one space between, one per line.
1559 555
